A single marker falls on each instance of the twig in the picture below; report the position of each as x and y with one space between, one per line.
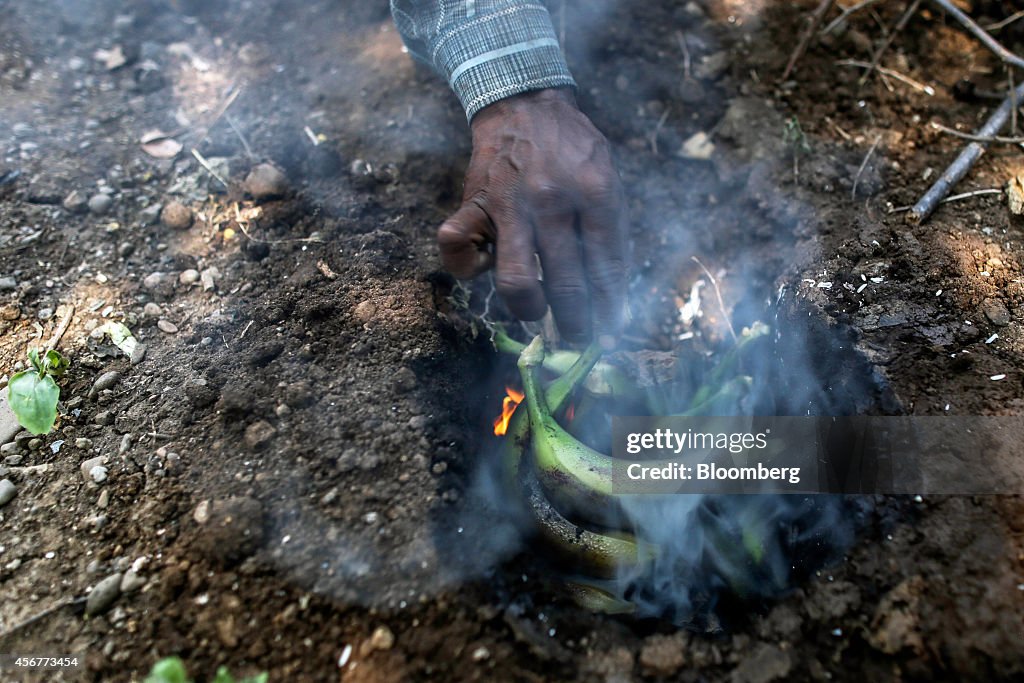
60 604
718 295
863 165
954 198
1005 22
902 78
963 163
847 12
978 138
657 129
900 25
835 126
206 164
687 61
812 27
1013 100
238 132
62 328
979 33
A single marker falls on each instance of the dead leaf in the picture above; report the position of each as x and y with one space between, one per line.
158 144
1015 195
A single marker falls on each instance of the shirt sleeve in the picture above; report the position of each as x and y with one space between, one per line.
486 49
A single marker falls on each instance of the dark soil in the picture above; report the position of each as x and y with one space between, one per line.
291 472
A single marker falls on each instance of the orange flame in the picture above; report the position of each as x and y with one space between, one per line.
508 407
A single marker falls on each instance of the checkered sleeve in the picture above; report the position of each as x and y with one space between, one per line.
487 49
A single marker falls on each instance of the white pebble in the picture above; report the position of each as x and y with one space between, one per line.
996 378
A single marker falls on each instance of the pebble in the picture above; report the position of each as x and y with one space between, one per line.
266 181
44 313
209 278
153 280
381 639
995 310
132 582
13 460
98 474
11 448
189 277
104 417
104 499
167 326
35 444
83 442
92 463
105 381
125 249
7 492
10 312
103 595
75 202
7 283
152 310
99 204
259 434
176 216
151 214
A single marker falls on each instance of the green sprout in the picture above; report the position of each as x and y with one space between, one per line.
33 393
172 670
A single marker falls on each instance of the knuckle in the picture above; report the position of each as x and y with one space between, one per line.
570 291
513 284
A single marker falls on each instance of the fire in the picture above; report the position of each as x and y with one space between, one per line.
508 407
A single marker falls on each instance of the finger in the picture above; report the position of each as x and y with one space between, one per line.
463 240
604 225
565 282
516 270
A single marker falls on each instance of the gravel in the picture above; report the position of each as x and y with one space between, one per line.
176 216
167 326
189 277
89 465
99 204
103 595
7 492
266 181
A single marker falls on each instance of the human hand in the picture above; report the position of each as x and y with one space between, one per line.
541 183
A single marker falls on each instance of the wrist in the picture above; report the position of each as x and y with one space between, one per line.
526 101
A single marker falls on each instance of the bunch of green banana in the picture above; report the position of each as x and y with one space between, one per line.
567 488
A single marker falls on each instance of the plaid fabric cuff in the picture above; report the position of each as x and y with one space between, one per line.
490 57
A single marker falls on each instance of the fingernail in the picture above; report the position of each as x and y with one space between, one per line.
607 342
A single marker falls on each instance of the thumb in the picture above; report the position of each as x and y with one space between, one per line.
463 240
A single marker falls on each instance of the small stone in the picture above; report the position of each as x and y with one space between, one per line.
151 214
83 442
7 283
381 639
167 326
75 202
153 280
103 595
10 311
44 313
698 146
364 311
104 417
152 310
131 581
98 474
99 204
125 249
7 492
12 448
176 216
89 465
35 444
104 499
282 410
995 310
266 181
126 443
259 434
209 278
13 460
189 277
105 381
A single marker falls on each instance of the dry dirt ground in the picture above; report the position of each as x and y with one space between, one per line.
288 467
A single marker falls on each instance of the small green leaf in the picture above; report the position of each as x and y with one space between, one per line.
55 364
261 678
223 676
168 670
34 400
33 357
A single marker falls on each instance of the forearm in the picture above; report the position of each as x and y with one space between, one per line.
487 50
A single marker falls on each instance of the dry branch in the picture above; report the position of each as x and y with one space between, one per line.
963 163
900 25
805 39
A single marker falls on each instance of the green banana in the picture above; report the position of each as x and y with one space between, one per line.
576 478
727 366
604 380
599 554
